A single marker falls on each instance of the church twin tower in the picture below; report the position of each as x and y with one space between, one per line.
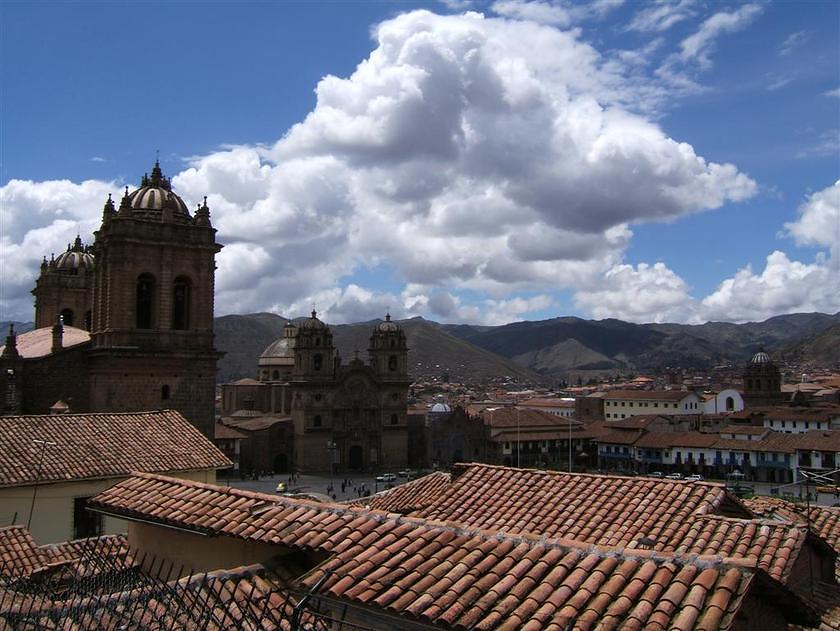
144 291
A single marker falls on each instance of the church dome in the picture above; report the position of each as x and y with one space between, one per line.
440 408
761 358
281 350
77 259
154 200
313 323
387 326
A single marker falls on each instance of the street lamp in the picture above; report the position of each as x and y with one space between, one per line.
331 447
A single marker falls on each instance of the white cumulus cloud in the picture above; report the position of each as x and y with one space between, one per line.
784 286
644 293
818 222
501 156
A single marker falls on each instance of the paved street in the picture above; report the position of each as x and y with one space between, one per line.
315 484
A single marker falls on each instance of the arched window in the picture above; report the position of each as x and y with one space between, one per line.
164 393
316 362
392 363
67 316
316 422
88 320
394 419
181 304
730 404
393 343
145 301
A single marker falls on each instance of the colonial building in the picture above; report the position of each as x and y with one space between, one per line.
620 404
131 315
350 416
53 463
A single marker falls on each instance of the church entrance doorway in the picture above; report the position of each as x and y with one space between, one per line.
356 458
281 463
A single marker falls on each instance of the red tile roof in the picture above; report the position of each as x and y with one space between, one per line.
599 509
619 436
775 545
468 579
636 421
223 432
408 497
38 342
745 430
95 446
511 417
816 413
824 520
252 597
217 510
19 554
514 573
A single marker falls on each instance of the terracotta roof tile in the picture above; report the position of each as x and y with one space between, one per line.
574 582
605 510
223 432
407 497
19 554
91 446
459 566
38 342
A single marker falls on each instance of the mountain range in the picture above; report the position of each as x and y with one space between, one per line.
548 350
554 349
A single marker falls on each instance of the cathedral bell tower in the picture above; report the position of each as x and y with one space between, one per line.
65 287
388 351
152 316
388 357
314 351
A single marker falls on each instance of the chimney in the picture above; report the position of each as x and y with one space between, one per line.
57 335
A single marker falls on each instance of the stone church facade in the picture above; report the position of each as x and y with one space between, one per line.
130 318
345 417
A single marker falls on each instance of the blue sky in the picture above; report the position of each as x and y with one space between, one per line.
463 161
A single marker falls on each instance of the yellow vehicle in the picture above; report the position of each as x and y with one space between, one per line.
281 487
834 490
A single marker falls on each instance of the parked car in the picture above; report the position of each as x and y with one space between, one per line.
674 476
695 477
386 477
405 473
656 474
281 487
